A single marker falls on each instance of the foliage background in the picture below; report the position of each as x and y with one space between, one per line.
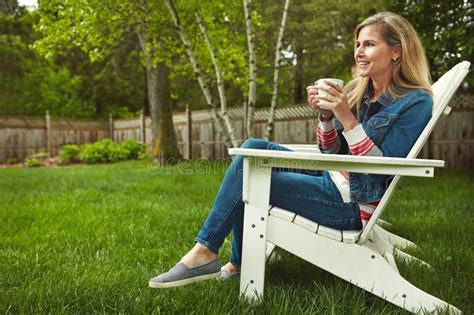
42 69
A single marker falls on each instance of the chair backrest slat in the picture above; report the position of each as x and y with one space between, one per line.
443 91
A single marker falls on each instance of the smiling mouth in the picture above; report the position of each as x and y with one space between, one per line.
363 63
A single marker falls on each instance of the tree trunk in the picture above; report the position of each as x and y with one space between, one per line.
155 106
165 145
197 71
276 73
146 103
163 138
252 69
162 131
298 76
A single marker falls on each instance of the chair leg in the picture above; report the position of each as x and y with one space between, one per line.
362 265
393 239
256 195
384 223
270 250
271 254
388 251
386 280
252 269
409 258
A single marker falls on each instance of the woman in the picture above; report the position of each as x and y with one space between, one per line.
381 113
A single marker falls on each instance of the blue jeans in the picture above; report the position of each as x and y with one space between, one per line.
311 194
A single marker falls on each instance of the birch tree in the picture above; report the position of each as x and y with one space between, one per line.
252 92
278 49
198 72
215 43
220 83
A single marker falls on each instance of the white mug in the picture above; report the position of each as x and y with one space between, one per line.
323 93
321 82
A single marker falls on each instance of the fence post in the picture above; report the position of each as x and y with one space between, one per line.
49 144
188 141
111 127
142 127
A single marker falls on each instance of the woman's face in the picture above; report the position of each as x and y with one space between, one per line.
372 54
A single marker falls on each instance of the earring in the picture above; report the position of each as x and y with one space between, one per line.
394 59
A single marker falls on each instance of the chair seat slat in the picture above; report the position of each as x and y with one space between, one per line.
306 223
282 214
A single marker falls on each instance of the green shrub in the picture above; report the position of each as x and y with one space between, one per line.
117 153
97 152
106 150
69 154
32 162
134 148
12 160
103 151
89 154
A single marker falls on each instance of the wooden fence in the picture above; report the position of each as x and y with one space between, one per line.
23 136
452 140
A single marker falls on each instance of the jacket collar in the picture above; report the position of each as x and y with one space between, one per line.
385 99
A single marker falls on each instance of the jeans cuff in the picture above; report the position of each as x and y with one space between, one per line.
233 262
207 244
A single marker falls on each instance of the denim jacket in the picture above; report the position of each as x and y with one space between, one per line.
393 125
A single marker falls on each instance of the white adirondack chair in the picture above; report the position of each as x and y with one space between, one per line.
371 251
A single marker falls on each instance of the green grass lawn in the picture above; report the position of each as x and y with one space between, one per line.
86 239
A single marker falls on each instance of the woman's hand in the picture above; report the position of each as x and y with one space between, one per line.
335 100
313 101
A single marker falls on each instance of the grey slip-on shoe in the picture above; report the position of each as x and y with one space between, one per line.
180 275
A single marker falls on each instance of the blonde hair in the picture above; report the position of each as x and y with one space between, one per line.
410 70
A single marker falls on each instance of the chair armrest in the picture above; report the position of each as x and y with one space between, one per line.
337 162
311 148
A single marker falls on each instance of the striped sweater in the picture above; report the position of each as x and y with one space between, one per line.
359 144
